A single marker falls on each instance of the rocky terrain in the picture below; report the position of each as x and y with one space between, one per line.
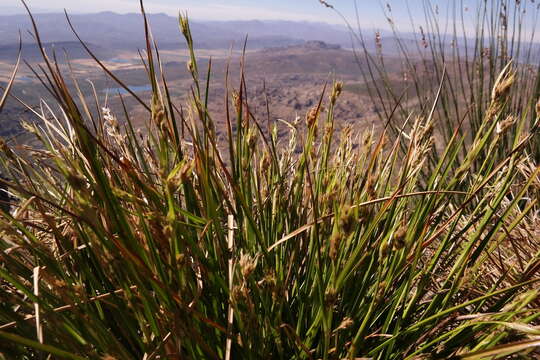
291 78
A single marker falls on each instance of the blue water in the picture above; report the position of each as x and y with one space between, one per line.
123 91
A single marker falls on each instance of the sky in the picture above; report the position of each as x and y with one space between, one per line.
371 11
306 10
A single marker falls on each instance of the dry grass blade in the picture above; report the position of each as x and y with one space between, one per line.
230 312
503 350
9 85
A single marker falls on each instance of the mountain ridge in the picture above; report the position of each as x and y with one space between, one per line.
121 30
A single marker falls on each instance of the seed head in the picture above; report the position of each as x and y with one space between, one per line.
384 250
504 125
338 88
184 175
237 101
345 324
30 128
425 43
399 238
6 149
335 241
346 221
330 297
247 265
378 40
184 25
76 181
365 213
311 117
59 283
158 114
381 290
504 83
265 162
252 139
237 294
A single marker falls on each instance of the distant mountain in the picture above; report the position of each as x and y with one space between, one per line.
111 33
287 29
73 49
109 30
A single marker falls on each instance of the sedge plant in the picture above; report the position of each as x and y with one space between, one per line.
174 243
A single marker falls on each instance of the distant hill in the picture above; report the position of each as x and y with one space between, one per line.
113 33
73 49
109 30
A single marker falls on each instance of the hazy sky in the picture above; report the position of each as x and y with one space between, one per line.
371 13
310 10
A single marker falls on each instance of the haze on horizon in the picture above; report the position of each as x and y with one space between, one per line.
407 15
303 10
371 13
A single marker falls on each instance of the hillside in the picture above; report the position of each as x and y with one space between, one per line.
126 31
290 77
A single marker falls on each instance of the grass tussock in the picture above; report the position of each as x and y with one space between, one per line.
172 243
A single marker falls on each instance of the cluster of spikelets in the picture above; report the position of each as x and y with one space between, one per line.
150 245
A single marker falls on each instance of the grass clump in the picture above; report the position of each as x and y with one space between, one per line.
175 244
